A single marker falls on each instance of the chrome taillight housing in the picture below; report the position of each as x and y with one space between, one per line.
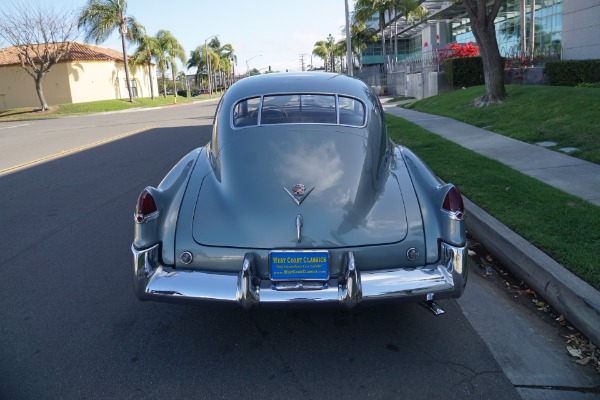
146 208
453 204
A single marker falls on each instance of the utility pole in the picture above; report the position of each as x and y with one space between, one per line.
302 61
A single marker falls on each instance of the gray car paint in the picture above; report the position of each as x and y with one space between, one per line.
382 180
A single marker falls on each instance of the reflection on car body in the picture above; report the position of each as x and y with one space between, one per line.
300 198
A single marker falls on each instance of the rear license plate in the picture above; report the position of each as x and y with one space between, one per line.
294 265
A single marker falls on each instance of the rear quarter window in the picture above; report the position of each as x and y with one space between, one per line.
352 111
245 112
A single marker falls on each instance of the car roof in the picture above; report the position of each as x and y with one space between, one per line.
299 82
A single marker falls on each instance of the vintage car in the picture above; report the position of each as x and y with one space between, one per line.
300 198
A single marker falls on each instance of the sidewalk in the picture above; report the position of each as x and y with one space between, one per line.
572 175
568 294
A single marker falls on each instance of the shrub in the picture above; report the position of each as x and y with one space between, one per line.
464 71
595 85
573 72
182 93
456 50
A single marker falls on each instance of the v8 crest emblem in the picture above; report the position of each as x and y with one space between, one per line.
298 192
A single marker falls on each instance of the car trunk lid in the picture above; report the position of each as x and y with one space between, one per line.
350 199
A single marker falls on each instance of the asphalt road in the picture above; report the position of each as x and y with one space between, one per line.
71 327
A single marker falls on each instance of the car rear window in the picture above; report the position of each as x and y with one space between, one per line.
299 109
245 112
352 111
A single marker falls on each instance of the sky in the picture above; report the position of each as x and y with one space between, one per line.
263 33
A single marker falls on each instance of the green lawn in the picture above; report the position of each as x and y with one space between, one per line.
94 107
563 226
568 116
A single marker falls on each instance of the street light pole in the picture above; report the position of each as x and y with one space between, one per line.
349 63
247 66
208 64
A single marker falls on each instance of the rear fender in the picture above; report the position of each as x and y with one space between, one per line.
167 196
438 225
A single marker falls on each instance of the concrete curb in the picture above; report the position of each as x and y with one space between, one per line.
564 291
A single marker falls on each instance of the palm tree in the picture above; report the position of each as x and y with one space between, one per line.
324 49
171 49
409 9
99 19
360 36
321 51
198 60
214 56
228 58
364 9
147 48
339 50
183 79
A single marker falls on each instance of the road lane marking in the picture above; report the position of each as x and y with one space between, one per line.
14 126
73 150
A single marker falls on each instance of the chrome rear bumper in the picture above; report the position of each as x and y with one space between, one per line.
157 282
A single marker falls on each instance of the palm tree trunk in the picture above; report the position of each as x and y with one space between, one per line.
150 77
122 31
174 83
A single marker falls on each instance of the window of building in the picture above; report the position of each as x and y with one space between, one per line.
548 27
134 88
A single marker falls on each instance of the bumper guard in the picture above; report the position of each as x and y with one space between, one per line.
157 282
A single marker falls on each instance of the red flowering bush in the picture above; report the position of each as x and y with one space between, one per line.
458 50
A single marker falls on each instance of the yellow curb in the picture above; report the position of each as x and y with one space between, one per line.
74 150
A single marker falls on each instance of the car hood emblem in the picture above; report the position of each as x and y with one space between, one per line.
298 192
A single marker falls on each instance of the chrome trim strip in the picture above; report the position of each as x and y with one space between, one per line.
262 96
145 218
155 281
299 224
298 199
455 215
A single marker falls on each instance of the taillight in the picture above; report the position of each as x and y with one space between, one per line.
453 203
146 207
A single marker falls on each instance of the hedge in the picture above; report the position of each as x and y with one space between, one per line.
464 71
573 72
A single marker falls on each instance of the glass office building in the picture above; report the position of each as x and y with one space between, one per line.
548 27
548 23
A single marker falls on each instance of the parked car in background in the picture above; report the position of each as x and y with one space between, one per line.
300 198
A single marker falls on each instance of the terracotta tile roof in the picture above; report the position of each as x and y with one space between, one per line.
77 52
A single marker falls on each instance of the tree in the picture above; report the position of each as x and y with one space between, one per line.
198 60
339 50
183 79
324 49
228 58
171 49
360 36
320 50
214 59
99 18
41 37
147 48
482 24
364 9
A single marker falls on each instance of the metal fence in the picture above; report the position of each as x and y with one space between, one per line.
391 79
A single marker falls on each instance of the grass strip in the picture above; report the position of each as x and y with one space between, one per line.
563 226
94 107
567 116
